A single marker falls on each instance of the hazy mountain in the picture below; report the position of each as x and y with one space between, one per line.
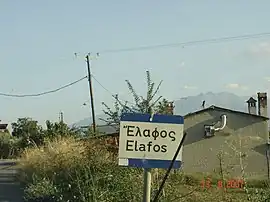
223 99
189 104
88 121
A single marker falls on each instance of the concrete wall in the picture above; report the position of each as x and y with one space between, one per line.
200 154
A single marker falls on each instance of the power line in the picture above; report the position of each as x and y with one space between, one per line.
106 89
101 84
189 43
43 93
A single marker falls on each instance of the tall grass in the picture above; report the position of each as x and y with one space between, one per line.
68 169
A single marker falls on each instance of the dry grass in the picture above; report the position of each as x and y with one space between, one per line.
75 169
54 155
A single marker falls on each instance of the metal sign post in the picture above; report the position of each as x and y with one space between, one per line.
150 142
147 185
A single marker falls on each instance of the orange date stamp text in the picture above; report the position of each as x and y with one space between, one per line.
229 184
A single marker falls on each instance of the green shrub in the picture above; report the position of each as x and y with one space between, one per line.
41 190
8 145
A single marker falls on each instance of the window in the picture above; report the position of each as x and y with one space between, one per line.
209 131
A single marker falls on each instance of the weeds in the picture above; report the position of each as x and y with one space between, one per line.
77 170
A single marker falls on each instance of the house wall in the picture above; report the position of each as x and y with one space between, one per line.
201 154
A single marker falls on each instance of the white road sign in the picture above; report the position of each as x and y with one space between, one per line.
150 140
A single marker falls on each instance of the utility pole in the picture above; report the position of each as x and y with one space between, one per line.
61 121
91 91
61 117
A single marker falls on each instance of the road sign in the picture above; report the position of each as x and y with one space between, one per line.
150 143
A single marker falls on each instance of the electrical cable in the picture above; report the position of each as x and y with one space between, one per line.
43 93
169 169
189 43
106 89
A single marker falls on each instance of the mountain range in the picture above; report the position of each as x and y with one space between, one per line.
189 104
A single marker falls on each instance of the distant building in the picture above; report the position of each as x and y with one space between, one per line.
110 133
245 132
3 127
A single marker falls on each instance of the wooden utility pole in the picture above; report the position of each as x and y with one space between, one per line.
61 117
91 92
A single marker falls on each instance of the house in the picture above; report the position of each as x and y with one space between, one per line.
109 133
245 132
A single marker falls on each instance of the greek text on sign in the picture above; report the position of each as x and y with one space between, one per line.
149 140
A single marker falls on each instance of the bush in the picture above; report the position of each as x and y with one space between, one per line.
27 133
68 169
8 145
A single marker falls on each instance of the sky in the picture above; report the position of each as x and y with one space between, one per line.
38 40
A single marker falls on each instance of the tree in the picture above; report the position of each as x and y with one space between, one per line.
28 131
58 129
114 115
148 104
162 107
7 145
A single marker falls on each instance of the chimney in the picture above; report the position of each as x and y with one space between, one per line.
252 105
262 104
170 108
